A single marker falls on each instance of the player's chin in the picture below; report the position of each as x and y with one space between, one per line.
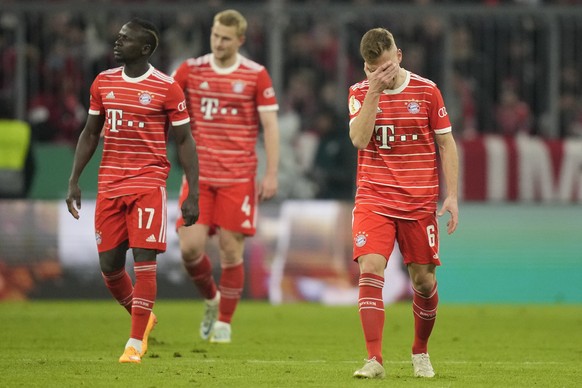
118 58
219 54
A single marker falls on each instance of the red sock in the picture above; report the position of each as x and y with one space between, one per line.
200 272
231 287
371 307
120 286
425 309
144 296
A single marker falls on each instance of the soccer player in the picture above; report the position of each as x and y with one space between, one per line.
228 96
395 119
133 105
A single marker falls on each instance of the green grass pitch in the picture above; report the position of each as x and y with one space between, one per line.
65 343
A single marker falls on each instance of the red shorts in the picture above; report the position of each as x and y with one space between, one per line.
140 218
229 207
374 233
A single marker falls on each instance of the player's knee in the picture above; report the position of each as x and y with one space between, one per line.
424 284
114 259
231 254
109 266
192 241
231 248
190 252
373 265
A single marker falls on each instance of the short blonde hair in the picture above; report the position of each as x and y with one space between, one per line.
375 42
232 18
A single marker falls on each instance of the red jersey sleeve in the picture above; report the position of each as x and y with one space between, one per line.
180 75
438 117
95 102
265 91
355 101
175 105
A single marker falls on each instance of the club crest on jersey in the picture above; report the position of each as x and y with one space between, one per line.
413 107
98 237
145 98
238 86
361 239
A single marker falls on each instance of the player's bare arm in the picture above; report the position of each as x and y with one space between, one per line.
450 165
86 146
188 156
379 78
269 183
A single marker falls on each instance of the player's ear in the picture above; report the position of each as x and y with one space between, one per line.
399 55
146 49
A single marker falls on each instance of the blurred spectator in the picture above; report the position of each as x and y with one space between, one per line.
512 115
293 182
301 94
57 116
16 155
184 39
462 107
334 165
570 101
570 115
472 76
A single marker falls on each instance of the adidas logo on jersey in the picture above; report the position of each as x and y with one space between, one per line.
204 85
246 224
110 95
151 238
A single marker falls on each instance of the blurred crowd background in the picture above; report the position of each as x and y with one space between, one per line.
505 67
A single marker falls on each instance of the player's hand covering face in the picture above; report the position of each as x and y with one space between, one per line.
382 73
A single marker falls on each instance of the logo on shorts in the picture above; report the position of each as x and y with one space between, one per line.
98 237
361 239
151 238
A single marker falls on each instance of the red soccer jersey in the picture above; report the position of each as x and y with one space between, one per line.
137 112
397 171
224 106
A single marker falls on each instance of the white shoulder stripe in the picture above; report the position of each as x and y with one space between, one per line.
164 77
421 79
251 64
113 70
205 59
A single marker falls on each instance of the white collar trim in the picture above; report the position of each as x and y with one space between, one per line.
401 87
140 78
225 70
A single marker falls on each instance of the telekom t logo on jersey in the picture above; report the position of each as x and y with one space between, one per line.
115 118
386 134
209 107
